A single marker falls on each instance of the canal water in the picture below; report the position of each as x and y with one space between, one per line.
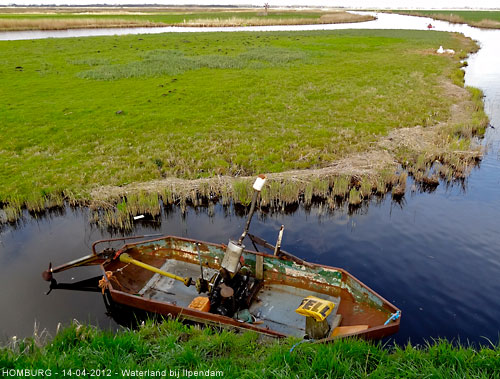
436 255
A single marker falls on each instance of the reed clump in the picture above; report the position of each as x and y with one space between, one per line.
11 213
242 191
366 187
341 186
355 196
398 191
143 203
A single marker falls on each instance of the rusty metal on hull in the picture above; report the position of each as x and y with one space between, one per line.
359 304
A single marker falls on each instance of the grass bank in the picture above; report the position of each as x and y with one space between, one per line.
60 18
176 347
119 122
480 19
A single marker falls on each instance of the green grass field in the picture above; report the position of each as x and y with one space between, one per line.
173 346
81 113
484 19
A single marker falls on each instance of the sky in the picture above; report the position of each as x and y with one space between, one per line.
392 4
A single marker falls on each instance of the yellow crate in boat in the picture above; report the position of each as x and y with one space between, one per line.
315 307
200 303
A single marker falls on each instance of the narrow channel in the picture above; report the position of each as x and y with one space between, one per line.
436 256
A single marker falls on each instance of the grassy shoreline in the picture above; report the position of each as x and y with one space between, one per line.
171 345
58 19
184 120
479 19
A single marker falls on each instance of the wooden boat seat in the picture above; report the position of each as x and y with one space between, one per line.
344 330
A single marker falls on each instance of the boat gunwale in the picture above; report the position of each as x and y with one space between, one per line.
180 311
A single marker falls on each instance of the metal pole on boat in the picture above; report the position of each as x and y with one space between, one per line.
199 258
124 257
257 187
231 261
277 248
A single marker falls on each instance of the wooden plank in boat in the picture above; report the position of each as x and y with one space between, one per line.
344 330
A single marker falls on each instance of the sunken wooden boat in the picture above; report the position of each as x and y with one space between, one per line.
274 294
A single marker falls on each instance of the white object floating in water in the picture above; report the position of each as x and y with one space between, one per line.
138 217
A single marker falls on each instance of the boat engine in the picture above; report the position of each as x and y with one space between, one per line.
233 288
229 296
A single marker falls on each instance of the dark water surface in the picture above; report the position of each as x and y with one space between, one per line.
436 256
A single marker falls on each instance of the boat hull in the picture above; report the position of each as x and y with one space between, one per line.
359 304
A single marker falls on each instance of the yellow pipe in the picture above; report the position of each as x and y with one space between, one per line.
128 259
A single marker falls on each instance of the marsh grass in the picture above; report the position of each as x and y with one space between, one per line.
278 194
59 19
173 62
84 114
480 19
172 345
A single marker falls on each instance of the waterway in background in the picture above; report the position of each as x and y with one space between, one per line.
436 256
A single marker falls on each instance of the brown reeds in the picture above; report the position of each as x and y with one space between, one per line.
71 23
52 23
330 18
